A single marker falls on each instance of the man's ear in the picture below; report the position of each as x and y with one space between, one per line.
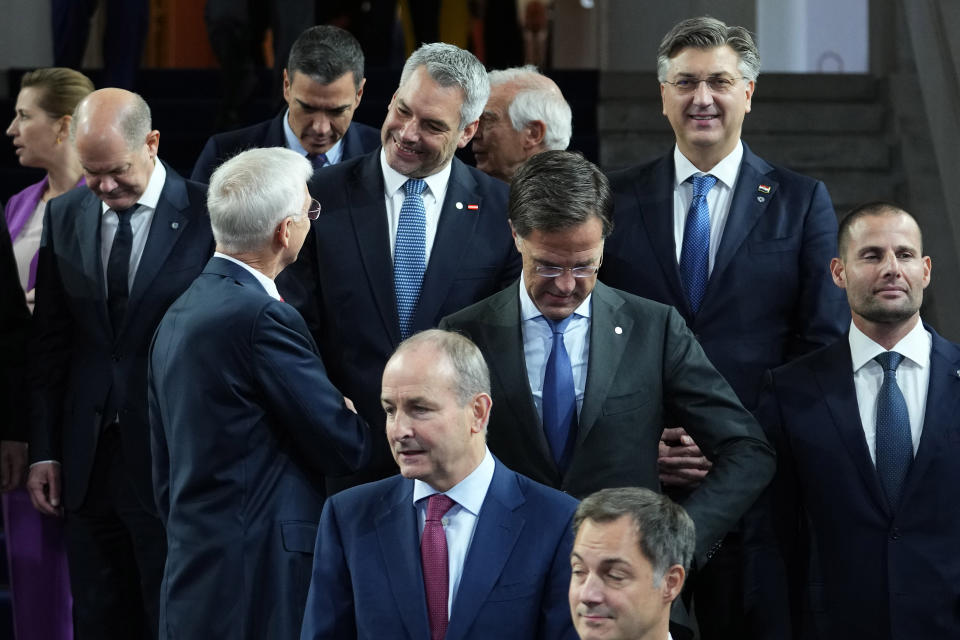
533 134
673 581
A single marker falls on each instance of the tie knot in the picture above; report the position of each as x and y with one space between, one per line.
318 160
559 326
703 184
889 360
125 213
414 187
437 505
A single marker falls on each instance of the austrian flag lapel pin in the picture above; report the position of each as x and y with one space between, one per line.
470 207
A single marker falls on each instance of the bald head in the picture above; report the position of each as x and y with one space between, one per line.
525 115
116 145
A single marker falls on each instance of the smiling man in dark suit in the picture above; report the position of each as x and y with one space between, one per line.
408 234
456 547
322 86
112 258
863 503
738 246
584 374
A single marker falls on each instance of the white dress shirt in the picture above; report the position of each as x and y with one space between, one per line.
718 199
25 246
460 522
538 342
913 377
269 285
139 224
433 197
334 154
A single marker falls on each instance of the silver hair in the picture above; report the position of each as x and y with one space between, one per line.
451 66
252 192
664 529
705 32
537 98
470 369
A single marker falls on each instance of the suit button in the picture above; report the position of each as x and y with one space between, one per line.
895 534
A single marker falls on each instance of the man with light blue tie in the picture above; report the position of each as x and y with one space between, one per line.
456 547
856 537
584 374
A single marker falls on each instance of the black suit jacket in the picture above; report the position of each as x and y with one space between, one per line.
14 329
643 362
244 424
770 297
358 140
823 548
81 373
348 264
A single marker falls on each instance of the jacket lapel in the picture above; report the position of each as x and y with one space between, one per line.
168 223
88 242
498 528
454 229
746 207
606 350
943 405
655 203
397 526
366 202
834 373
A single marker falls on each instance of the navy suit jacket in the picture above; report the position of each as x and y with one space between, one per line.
81 374
358 140
822 545
770 297
349 270
244 423
368 582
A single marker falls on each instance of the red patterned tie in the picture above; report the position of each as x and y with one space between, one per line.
433 558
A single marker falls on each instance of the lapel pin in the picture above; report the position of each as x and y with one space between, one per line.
958 373
473 207
618 331
459 205
764 188
174 225
760 198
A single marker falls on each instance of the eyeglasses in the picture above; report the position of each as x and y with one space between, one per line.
716 84
314 211
546 271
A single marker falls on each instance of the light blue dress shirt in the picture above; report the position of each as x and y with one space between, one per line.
461 521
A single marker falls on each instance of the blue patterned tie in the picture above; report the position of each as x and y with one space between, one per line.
894 444
559 397
410 253
695 252
318 160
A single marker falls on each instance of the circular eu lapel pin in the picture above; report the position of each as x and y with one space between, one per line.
174 225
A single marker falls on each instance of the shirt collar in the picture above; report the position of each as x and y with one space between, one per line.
529 310
393 180
269 285
915 346
151 195
469 493
293 142
725 171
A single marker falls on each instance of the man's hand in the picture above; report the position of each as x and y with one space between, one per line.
43 483
680 460
13 464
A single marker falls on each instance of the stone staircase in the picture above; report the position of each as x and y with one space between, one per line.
836 128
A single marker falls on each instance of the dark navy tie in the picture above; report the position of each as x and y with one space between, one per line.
559 396
410 253
695 251
894 444
118 269
318 160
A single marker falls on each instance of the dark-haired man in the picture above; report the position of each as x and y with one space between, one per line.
864 544
584 374
322 86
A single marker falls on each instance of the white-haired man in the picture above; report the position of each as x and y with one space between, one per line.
525 115
244 422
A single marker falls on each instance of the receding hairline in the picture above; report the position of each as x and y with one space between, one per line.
872 210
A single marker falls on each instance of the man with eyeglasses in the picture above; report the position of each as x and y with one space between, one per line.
244 422
583 374
738 246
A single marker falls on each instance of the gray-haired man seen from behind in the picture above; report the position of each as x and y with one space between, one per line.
631 554
244 422
322 86
526 114
409 233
